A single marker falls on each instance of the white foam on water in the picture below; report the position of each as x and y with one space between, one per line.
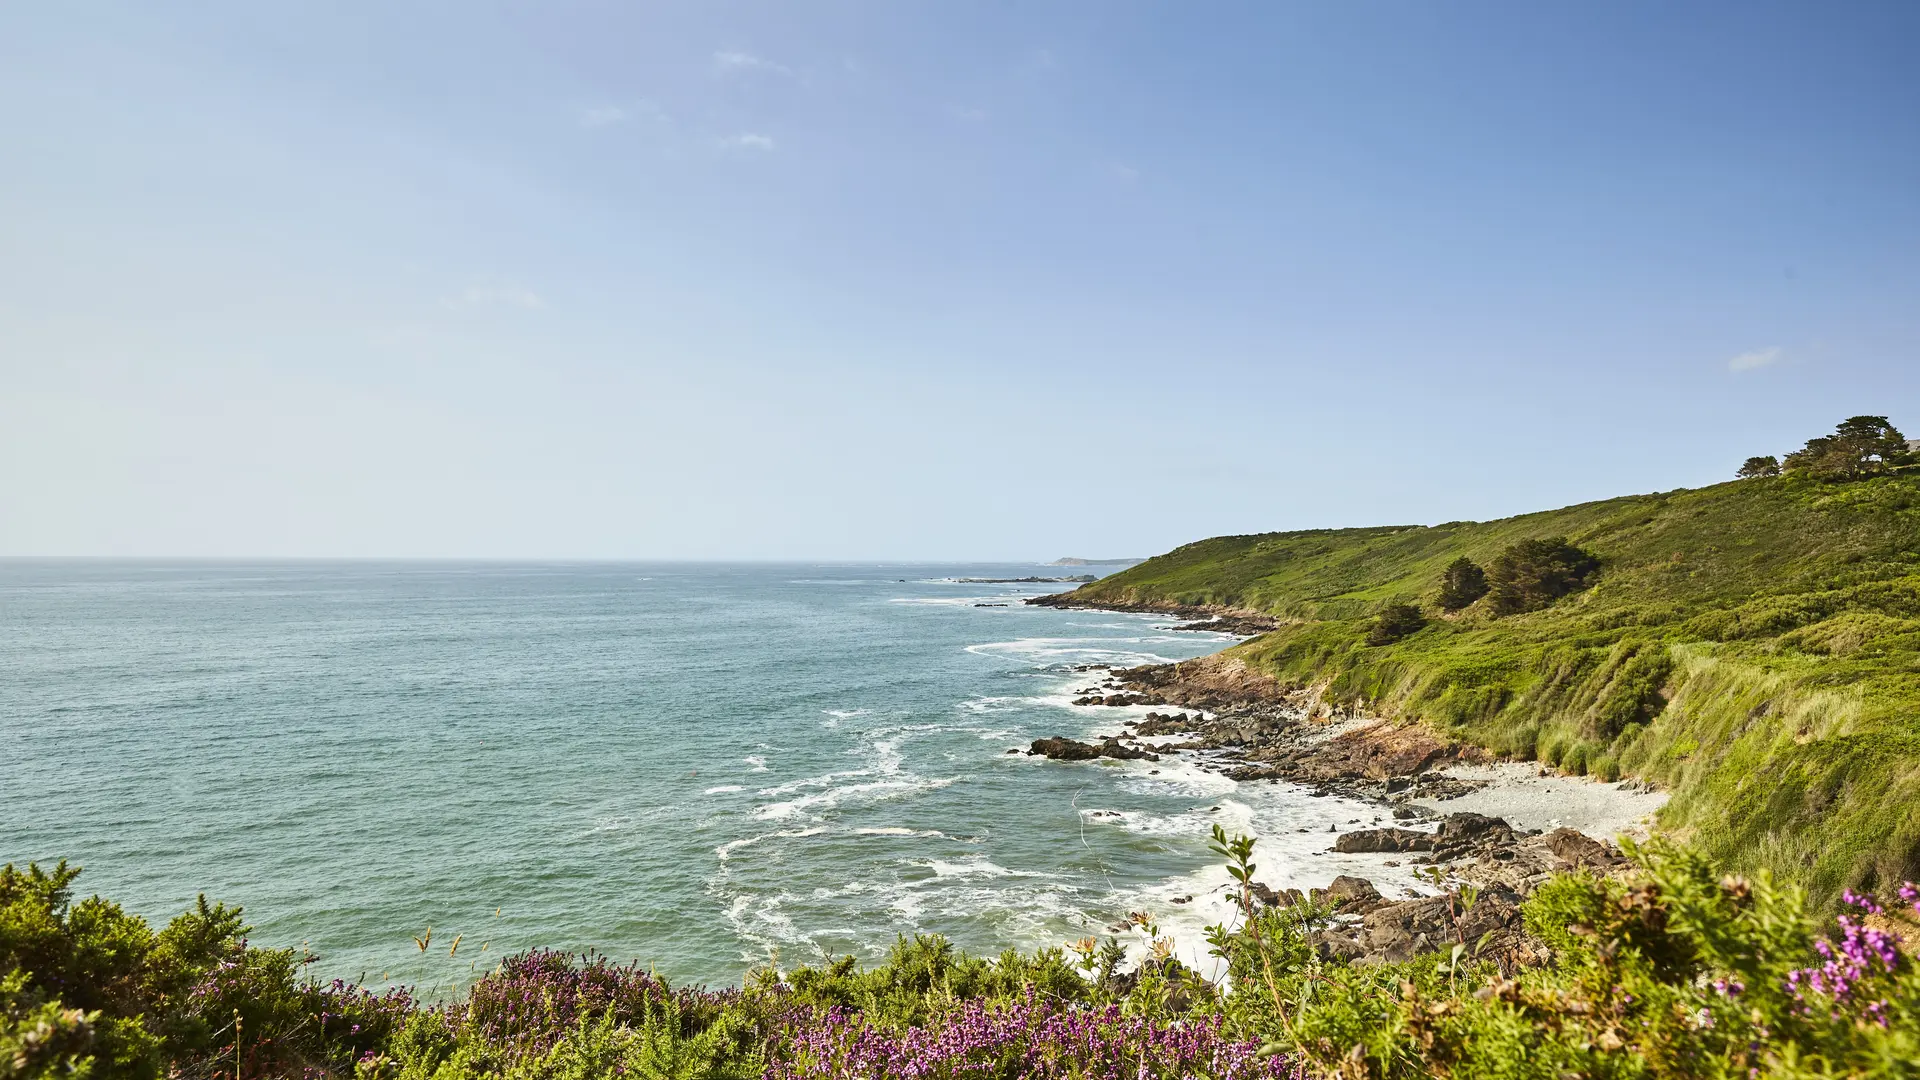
999 704
725 851
758 919
973 866
860 794
1043 651
723 789
758 762
997 600
824 780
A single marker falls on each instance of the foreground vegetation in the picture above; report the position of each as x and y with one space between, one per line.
1675 971
1754 646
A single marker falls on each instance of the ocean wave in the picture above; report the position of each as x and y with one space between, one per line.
760 920
724 789
974 866
1042 651
824 780
832 798
999 704
725 851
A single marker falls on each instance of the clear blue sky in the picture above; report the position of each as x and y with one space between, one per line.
894 280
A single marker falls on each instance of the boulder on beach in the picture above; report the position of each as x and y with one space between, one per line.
1063 749
1376 840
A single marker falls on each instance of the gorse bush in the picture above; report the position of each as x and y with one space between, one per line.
1674 972
88 990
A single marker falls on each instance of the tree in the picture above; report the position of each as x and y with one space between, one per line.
1461 584
1862 446
1530 574
1395 622
1757 467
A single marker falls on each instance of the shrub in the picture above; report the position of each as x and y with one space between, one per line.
1395 622
1461 584
1673 972
1531 574
118 1000
1576 760
1552 749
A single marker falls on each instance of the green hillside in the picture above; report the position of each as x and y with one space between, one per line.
1754 645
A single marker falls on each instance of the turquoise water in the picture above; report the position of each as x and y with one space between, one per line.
692 765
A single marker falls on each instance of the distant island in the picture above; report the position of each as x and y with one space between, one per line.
1072 560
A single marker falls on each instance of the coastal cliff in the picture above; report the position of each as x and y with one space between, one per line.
1752 646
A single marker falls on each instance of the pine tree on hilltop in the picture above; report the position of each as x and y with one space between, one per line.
1862 446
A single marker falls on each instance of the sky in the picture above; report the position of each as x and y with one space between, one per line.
866 280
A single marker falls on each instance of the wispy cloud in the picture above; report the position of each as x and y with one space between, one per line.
747 140
1758 358
734 61
642 112
506 296
600 116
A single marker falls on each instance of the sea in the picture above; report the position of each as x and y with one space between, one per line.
413 769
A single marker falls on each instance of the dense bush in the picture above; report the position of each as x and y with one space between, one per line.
1395 622
1756 467
1461 584
1531 574
1672 972
86 989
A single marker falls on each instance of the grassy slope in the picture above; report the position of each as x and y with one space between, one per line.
1754 645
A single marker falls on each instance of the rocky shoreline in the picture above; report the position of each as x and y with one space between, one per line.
1253 729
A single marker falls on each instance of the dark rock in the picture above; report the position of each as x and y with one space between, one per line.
1465 828
1335 945
1376 840
1580 849
1061 749
1345 888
